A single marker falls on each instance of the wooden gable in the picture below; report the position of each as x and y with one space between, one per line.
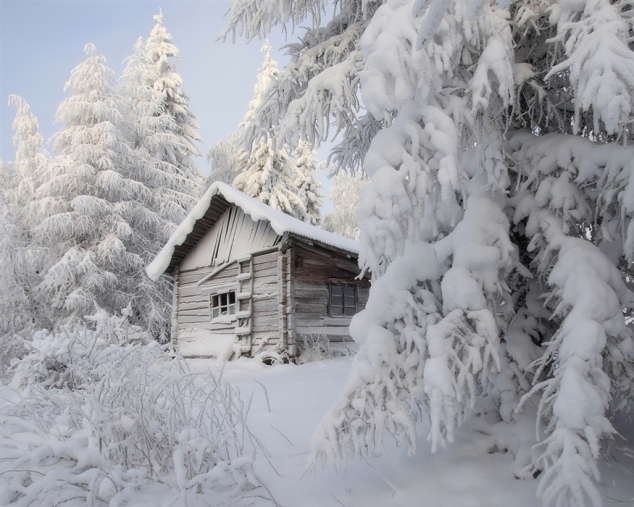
233 236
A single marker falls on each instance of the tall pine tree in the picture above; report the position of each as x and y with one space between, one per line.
268 171
93 211
308 187
158 148
173 144
224 159
30 161
345 194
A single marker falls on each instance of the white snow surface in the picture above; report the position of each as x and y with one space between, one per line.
477 469
283 406
280 222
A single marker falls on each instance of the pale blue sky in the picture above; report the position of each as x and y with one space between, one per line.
41 41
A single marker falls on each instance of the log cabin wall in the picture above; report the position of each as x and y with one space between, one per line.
315 270
195 329
281 290
221 262
266 301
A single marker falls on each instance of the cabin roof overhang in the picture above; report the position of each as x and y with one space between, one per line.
218 198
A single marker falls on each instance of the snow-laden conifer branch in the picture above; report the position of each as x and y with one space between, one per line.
590 296
601 63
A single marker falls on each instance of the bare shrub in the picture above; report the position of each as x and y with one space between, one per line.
90 419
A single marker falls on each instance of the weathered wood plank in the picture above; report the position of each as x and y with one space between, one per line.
268 270
325 330
320 322
193 305
264 258
265 305
317 290
187 319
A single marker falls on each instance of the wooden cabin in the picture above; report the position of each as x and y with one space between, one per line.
251 280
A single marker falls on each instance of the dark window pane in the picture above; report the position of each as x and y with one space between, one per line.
337 311
216 313
349 301
349 291
223 299
214 301
350 311
232 298
232 309
335 290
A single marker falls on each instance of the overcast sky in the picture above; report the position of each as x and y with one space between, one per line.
41 41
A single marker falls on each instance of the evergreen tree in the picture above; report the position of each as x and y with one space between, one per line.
499 256
345 195
269 176
224 159
268 171
308 187
16 304
93 211
22 260
181 129
172 190
30 160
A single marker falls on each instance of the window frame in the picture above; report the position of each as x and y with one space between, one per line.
228 305
342 307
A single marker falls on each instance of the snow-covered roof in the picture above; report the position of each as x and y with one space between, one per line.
218 191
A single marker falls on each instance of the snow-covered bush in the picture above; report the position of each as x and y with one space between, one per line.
316 347
95 416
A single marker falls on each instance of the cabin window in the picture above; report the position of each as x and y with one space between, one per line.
343 300
223 304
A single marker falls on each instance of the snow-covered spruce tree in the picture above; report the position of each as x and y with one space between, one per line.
92 210
499 255
16 302
308 187
224 159
30 157
180 132
22 260
345 195
268 171
154 137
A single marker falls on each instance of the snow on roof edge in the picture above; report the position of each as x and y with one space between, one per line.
280 222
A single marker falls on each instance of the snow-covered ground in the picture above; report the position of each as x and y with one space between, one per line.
476 470
122 427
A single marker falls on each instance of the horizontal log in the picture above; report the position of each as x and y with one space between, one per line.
300 321
259 264
190 319
322 330
268 257
267 271
315 291
195 276
194 305
259 281
316 300
262 304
